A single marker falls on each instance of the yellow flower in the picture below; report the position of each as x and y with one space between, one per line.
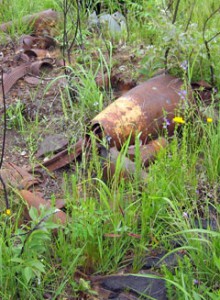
209 120
8 212
178 120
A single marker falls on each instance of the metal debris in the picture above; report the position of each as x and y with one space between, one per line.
141 110
52 143
34 200
17 177
47 19
148 152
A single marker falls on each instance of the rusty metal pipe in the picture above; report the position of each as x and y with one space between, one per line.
148 152
141 110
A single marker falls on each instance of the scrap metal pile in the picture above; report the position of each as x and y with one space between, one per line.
143 110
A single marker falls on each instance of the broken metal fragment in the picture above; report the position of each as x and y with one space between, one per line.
52 143
41 53
17 177
39 68
33 200
35 68
63 158
32 80
148 152
28 42
116 82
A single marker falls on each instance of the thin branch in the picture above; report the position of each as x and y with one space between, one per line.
176 11
78 28
3 141
190 16
210 61
169 5
212 38
206 21
206 43
173 21
65 39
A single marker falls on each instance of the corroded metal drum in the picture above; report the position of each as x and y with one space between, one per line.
141 110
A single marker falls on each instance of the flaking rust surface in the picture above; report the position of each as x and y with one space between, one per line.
141 110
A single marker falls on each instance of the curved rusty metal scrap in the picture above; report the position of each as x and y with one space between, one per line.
36 68
11 78
140 110
148 152
17 177
39 42
33 200
64 157
40 67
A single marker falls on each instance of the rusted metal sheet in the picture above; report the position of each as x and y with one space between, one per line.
11 78
17 177
36 68
149 151
64 157
52 144
33 200
141 110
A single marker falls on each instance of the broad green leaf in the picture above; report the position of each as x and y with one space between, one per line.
28 274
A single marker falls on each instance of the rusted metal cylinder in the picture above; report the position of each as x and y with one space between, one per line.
40 67
148 152
141 110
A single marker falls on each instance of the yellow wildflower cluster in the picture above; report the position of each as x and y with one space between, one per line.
8 212
178 120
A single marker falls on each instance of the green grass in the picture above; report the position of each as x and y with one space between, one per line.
114 224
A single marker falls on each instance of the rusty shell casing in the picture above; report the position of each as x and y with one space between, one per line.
140 110
148 152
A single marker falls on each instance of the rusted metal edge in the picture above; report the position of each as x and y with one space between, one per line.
63 158
12 77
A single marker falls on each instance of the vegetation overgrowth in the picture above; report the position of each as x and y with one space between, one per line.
112 222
